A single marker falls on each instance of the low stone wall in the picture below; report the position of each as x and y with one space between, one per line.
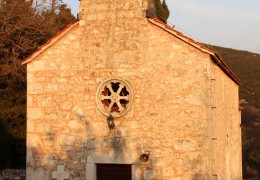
13 174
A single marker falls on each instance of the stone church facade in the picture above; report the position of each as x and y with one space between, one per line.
120 90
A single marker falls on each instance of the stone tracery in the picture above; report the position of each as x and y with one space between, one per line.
114 96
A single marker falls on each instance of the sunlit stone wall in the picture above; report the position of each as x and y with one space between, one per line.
172 111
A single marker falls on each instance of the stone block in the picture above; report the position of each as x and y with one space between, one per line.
66 140
76 126
34 140
168 172
30 126
184 144
31 78
195 163
37 65
30 101
61 80
67 105
149 174
42 127
53 160
91 143
35 88
45 100
34 113
51 87
51 114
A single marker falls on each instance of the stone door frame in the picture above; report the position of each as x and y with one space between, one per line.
105 159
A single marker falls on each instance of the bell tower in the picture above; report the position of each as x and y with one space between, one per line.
91 10
110 26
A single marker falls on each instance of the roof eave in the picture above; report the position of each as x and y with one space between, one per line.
216 58
50 42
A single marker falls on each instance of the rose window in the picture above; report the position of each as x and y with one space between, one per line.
114 97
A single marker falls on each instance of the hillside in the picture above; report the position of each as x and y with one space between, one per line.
247 67
13 108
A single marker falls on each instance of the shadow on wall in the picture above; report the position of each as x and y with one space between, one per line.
198 177
72 148
12 150
79 148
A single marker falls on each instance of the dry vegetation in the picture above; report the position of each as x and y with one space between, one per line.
247 66
23 29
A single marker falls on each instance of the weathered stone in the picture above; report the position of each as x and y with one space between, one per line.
91 143
194 163
76 126
51 114
37 173
52 160
184 144
66 140
42 127
66 105
15 174
35 88
34 140
38 65
181 100
149 174
60 174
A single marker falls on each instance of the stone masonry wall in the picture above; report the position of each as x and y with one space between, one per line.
171 106
53 130
226 130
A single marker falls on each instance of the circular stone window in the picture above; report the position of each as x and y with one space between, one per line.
114 96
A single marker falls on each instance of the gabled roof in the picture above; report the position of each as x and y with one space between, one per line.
45 46
216 58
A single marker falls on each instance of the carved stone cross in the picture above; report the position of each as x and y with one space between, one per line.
60 174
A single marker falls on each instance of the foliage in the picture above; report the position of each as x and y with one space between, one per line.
251 143
160 9
246 66
24 26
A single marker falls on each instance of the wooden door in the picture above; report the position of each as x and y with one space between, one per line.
114 172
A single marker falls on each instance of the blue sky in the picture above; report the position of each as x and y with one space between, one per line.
228 23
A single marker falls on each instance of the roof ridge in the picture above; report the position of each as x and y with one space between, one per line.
220 62
217 60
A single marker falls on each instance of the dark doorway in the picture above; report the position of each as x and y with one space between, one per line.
114 171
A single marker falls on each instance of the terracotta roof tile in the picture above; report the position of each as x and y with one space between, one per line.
214 55
49 42
216 58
